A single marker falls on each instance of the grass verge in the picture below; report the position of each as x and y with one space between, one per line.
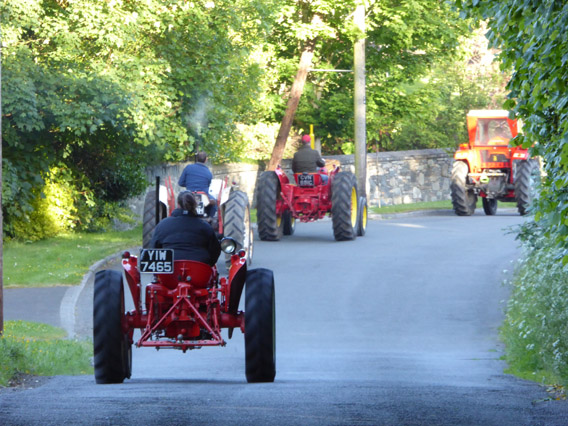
534 331
430 205
62 260
28 348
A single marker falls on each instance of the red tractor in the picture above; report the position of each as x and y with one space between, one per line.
185 306
489 167
232 218
280 203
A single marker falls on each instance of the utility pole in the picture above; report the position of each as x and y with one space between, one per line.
360 102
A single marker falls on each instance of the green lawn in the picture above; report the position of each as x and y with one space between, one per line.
62 260
28 348
432 205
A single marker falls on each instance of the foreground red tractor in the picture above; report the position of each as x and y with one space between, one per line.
490 168
280 203
184 307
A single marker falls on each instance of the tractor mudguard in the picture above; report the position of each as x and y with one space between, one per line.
237 278
130 266
282 177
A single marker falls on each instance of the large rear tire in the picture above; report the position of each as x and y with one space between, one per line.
463 199
344 206
524 181
489 206
111 345
236 224
270 224
362 219
260 326
149 219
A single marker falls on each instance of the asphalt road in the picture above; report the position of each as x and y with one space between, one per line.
399 327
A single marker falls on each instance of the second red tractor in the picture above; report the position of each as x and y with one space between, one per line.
308 198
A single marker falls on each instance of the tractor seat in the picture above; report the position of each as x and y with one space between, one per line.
308 179
201 274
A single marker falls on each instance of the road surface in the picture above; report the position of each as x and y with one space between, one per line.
399 327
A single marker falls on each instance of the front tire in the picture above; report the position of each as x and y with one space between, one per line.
111 345
260 326
362 219
344 206
270 224
489 206
236 224
289 225
463 199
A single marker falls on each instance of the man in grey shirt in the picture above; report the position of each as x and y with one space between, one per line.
307 159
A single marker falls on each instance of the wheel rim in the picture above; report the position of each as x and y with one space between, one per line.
353 206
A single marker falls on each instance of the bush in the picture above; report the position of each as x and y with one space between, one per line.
53 210
535 331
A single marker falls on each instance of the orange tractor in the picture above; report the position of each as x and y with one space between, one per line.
488 167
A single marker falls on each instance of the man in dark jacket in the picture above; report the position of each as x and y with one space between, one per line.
189 236
307 159
197 177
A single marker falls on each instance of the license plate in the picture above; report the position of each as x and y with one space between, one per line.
306 180
156 261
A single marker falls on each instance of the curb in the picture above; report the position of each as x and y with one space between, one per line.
68 308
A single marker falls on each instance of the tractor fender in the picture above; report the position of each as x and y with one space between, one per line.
163 198
520 154
237 278
282 177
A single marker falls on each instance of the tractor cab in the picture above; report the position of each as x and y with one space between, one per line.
490 128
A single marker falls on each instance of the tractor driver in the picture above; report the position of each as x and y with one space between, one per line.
307 159
189 236
197 177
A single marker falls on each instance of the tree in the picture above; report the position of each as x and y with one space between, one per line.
405 40
103 88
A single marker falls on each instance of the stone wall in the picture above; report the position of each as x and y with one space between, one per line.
402 177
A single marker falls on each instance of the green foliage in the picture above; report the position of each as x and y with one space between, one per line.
531 35
535 331
40 349
103 89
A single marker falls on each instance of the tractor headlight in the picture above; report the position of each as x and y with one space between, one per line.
228 245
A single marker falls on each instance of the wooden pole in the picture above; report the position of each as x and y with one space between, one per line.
360 103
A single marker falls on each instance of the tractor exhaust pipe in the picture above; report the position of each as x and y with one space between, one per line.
157 199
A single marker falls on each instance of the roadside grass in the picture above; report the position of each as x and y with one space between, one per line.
28 348
534 330
62 260
430 205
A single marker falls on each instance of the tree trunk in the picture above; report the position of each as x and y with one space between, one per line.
293 101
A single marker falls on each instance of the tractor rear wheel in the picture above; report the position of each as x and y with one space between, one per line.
112 346
362 220
149 220
463 199
289 225
236 224
270 224
524 177
489 206
260 326
344 206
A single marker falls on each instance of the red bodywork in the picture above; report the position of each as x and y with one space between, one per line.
306 203
488 154
186 309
